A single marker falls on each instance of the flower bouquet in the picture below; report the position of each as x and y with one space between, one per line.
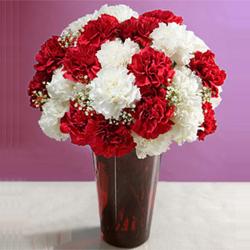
129 86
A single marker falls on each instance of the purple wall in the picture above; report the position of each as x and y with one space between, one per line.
26 154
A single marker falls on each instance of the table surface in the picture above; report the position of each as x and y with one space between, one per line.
64 216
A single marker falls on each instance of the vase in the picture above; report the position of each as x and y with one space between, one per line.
126 189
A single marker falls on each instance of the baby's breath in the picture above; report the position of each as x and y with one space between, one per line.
172 96
81 101
39 98
206 94
68 39
126 117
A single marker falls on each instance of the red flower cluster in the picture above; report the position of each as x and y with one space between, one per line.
164 16
209 125
81 63
37 90
98 31
50 56
204 66
151 92
138 30
152 117
152 70
151 67
74 123
109 140
48 59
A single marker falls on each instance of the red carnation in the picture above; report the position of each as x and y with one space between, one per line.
81 64
48 59
35 86
99 31
164 16
50 56
209 125
37 89
205 67
138 30
74 123
38 82
109 140
151 67
150 92
152 117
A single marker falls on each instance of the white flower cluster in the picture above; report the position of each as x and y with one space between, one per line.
177 42
60 91
53 111
120 11
60 88
116 53
189 114
113 90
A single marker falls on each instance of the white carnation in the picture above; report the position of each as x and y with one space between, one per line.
116 53
189 114
77 26
177 42
53 111
145 147
59 87
121 12
113 90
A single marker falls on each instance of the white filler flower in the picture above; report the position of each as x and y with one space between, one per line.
49 122
116 53
189 114
113 90
177 42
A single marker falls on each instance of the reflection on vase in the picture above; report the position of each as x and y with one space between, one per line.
126 191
